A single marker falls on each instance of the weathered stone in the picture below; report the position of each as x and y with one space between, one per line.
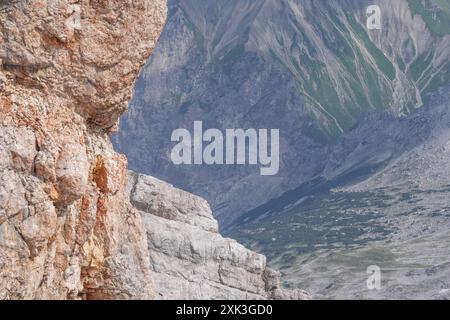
45 166
67 68
189 259
67 227
72 172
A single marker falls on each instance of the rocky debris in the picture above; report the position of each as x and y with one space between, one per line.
67 69
189 259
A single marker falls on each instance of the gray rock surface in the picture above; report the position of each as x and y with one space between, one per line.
67 228
189 259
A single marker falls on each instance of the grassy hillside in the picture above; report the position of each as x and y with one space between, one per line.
436 14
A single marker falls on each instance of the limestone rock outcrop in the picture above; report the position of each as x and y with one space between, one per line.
67 227
189 259
67 68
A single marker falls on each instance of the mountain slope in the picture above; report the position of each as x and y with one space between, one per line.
307 67
387 206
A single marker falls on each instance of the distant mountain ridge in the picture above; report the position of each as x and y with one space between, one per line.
310 68
384 203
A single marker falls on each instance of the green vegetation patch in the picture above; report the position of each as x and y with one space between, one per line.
383 63
435 13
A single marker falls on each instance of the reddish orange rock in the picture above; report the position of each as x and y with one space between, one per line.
67 69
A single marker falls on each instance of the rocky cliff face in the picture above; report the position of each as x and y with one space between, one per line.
67 69
393 211
67 228
189 259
